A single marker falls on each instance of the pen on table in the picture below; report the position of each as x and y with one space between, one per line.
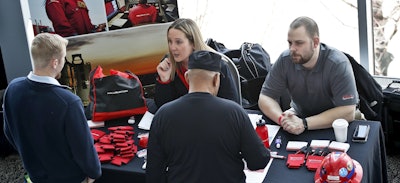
277 156
274 154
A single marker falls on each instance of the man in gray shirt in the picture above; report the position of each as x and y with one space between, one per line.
319 79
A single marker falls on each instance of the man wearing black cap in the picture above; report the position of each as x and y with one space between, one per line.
200 137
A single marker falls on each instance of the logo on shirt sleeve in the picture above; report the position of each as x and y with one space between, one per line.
347 97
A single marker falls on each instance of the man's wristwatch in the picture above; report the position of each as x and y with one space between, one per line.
305 124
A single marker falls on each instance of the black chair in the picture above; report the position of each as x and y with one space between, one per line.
236 77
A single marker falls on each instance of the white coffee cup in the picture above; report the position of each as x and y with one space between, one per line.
340 128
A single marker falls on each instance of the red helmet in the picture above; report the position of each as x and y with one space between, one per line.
338 167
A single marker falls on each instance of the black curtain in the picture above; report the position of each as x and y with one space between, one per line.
3 77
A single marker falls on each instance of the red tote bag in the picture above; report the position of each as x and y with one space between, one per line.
117 95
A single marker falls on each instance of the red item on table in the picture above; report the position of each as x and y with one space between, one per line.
143 141
126 148
314 162
108 146
126 160
117 136
116 161
129 155
105 140
105 158
295 160
262 132
127 128
124 132
119 144
97 134
99 149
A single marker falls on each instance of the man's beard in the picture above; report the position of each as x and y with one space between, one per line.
303 59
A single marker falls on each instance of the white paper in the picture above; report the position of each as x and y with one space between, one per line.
254 118
295 145
119 22
96 124
338 146
315 144
121 3
259 175
146 120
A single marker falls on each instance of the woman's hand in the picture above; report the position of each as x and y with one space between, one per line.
164 70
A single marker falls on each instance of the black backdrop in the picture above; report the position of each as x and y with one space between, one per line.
3 77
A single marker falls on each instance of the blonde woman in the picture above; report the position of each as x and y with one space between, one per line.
184 37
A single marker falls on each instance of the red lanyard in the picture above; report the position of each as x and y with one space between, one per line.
181 74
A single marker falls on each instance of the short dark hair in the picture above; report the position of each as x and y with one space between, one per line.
309 24
142 1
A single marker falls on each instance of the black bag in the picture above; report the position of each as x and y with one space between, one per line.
253 64
254 61
391 116
251 92
369 91
251 60
392 96
115 96
217 46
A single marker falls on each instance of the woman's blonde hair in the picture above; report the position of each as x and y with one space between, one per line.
193 34
45 47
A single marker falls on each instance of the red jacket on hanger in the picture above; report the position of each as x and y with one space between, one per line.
69 17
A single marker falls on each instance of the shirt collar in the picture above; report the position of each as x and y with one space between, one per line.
43 79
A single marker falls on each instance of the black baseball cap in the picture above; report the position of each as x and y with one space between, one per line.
205 60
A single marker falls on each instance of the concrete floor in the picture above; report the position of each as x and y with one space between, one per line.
393 163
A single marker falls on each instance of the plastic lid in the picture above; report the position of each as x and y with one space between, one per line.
260 122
